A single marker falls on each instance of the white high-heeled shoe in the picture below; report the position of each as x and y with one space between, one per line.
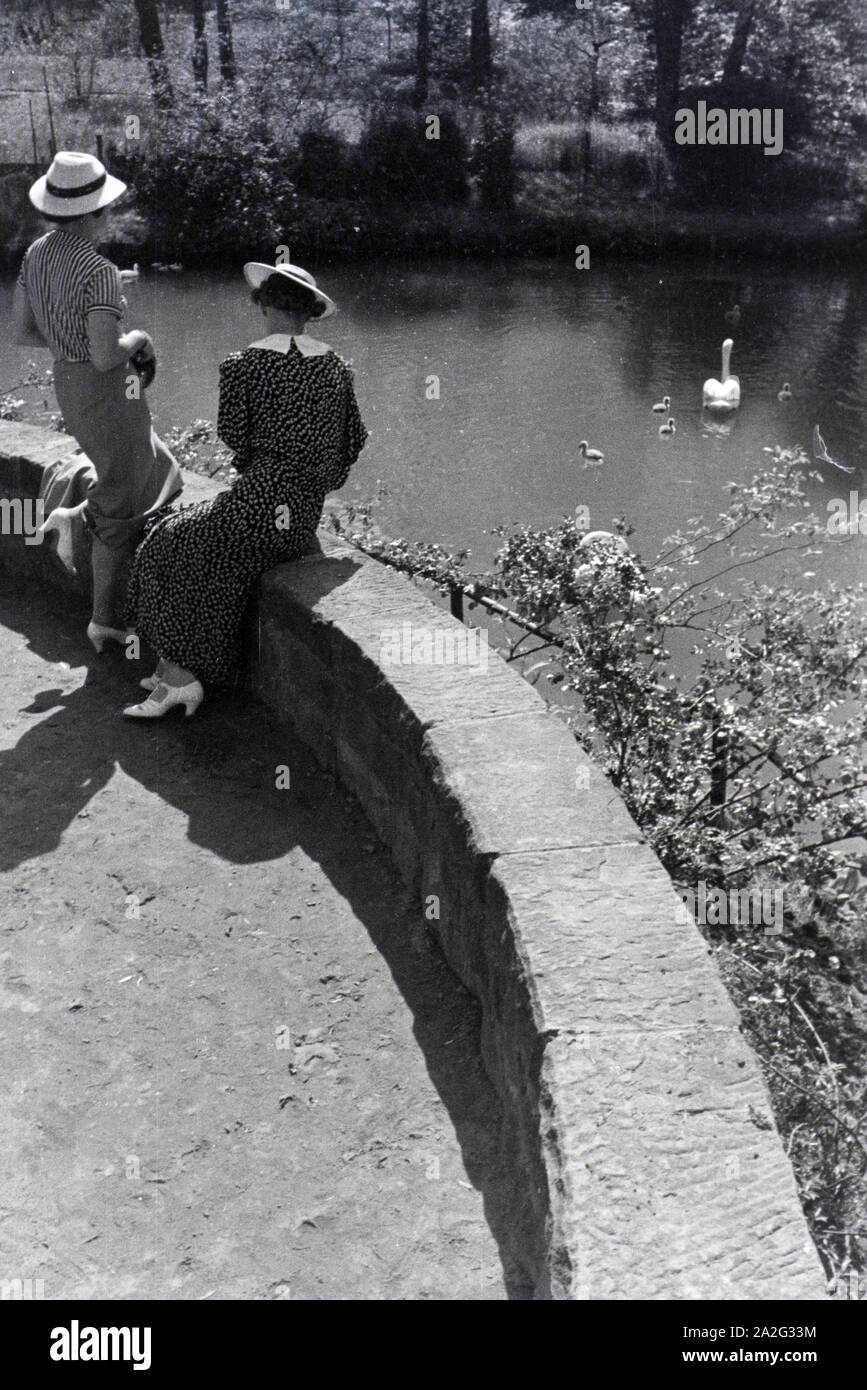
60 520
99 635
164 697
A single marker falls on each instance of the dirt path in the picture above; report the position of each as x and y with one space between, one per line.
234 1065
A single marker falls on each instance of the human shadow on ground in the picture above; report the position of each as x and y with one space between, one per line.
219 770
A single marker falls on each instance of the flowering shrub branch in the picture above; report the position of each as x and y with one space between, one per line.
728 708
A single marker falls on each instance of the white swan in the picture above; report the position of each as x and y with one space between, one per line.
786 393
127 275
670 428
724 394
590 455
662 406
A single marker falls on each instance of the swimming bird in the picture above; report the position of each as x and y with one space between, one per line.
724 394
733 316
670 428
662 406
786 393
127 275
820 452
590 455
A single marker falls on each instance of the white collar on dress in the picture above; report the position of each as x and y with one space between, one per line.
281 342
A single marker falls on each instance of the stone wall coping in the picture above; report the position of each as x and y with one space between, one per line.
630 1097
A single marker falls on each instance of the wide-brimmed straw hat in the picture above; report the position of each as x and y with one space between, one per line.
75 184
256 272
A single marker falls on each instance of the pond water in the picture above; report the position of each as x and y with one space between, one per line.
533 356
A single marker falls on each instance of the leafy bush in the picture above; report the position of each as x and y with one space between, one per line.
197 448
742 760
743 176
326 166
397 163
211 184
493 158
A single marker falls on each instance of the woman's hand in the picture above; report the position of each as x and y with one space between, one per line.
107 348
143 346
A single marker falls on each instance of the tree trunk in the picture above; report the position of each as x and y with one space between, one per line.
669 21
152 43
422 58
338 15
480 45
227 48
200 46
592 110
718 771
740 39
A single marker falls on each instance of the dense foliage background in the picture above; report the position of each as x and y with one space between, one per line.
308 120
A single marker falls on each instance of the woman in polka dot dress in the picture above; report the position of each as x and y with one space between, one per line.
288 412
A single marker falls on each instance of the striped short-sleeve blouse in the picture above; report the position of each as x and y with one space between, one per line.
65 277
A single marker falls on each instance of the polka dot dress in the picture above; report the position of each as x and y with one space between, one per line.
293 424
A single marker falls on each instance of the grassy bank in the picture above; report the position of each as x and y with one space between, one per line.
547 221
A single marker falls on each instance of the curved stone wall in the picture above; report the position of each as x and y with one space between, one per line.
634 1111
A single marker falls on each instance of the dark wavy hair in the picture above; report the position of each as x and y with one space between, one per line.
60 220
280 292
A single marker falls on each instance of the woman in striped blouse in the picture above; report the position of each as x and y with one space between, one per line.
68 297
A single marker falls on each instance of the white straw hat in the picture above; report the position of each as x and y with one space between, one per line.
75 184
256 272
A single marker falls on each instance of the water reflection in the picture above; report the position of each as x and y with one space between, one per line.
530 358
716 428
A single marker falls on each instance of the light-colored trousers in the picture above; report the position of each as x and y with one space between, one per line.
132 473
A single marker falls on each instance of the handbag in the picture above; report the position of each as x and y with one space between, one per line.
145 366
